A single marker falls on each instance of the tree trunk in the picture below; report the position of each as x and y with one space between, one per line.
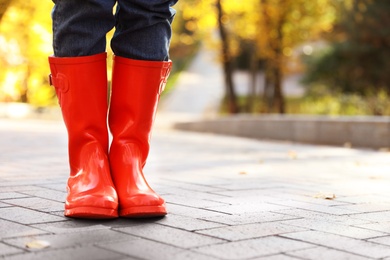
273 90
230 93
24 90
268 94
278 91
278 64
253 80
4 4
268 91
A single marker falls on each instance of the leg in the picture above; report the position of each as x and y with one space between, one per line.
140 72
136 87
143 29
79 75
80 27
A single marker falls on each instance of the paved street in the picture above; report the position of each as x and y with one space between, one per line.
228 198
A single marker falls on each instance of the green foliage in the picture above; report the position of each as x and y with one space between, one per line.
327 104
358 58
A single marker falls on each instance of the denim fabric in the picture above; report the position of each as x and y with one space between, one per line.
142 28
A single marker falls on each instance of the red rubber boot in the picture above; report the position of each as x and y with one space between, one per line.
136 88
81 87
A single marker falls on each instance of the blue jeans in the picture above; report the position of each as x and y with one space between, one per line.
142 28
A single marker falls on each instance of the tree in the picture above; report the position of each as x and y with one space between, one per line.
4 4
227 64
283 25
358 58
210 17
23 55
271 28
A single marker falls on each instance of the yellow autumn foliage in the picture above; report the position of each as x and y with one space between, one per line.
25 36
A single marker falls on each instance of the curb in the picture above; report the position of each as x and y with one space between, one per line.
357 131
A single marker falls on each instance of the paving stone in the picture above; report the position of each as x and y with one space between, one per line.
382 216
381 240
276 195
145 249
48 194
57 186
120 223
242 200
313 207
191 202
371 198
356 246
4 205
367 207
248 208
12 195
71 226
187 223
193 194
249 231
314 198
253 248
6 187
277 257
334 228
172 236
381 226
248 218
192 212
12 229
76 253
248 184
190 255
37 204
8 250
72 239
58 213
27 216
308 214
325 253
185 188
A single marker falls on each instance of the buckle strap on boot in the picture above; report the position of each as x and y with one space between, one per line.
60 83
165 71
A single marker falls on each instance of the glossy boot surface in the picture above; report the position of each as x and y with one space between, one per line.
136 88
81 87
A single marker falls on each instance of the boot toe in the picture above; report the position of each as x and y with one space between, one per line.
91 206
142 205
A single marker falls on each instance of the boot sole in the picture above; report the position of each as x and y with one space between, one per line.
91 212
143 212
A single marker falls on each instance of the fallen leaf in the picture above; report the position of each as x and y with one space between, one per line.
325 195
38 244
292 155
347 145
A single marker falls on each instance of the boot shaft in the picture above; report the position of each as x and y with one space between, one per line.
136 89
81 87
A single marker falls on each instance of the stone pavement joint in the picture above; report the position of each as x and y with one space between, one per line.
227 198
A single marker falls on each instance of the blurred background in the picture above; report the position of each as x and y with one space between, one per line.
335 52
